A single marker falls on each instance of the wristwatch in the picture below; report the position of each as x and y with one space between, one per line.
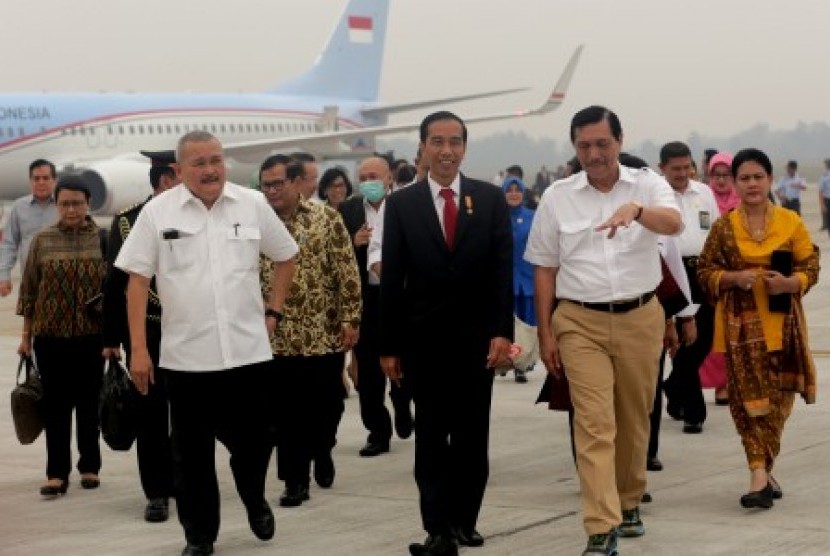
639 210
274 314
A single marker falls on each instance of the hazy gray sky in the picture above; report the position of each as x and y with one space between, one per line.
666 67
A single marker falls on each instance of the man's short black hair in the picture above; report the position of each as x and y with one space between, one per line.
42 162
792 164
515 170
295 169
156 172
594 115
274 160
674 149
632 161
437 117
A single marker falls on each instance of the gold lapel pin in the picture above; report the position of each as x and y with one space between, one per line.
468 201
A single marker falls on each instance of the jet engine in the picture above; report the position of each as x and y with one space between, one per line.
116 184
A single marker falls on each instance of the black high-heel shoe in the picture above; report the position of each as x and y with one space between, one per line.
52 491
758 498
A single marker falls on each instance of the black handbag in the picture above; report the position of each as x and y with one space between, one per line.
25 402
118 407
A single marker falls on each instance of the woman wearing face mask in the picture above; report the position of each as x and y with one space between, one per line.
522 218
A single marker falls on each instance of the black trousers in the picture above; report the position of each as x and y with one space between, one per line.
71 370
153 445
227 405
794 205
452 429
682 388
656 415
826 219
371 382
309 391
683 385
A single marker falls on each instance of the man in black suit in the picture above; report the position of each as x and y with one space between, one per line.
155 455
361 213
447 288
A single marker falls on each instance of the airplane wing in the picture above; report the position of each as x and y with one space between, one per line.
331 143
386 109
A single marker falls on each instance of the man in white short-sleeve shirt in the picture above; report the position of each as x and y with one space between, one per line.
594 242
202 240
695 323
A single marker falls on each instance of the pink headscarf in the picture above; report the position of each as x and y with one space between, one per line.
729 199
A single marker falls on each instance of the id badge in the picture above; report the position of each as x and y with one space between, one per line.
705 220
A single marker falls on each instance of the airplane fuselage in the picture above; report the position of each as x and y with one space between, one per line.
75 130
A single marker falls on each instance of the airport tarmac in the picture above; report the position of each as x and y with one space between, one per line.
531 505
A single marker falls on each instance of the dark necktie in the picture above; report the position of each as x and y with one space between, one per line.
450 216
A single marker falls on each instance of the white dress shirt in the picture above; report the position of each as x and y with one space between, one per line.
375 249
435 188
592 267
374 221
206 264
699 210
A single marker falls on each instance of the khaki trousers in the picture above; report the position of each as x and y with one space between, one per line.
611 361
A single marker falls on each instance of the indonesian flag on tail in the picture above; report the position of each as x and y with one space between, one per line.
360 29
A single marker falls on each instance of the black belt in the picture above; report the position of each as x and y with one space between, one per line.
690 262
616 306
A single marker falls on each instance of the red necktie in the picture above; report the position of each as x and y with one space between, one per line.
450 216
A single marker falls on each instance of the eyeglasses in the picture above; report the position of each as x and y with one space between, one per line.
71 204
721 176
272 184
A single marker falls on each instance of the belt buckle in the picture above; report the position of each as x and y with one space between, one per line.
611 308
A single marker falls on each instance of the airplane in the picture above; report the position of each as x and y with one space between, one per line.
332 110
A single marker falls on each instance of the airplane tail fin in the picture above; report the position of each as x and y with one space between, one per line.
350 63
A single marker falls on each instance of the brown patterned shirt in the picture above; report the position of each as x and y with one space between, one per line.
325 291
64 270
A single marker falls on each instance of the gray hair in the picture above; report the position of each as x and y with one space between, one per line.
195 136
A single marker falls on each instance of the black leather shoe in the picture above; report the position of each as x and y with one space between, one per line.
404 423
52 491
201 549
646 498
157 510
372 449
654 464
261 520
435 545
468 537
758 498
294 495
693 428
90 482
324 471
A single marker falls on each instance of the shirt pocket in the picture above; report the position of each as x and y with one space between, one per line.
573 235
243 248
179 253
